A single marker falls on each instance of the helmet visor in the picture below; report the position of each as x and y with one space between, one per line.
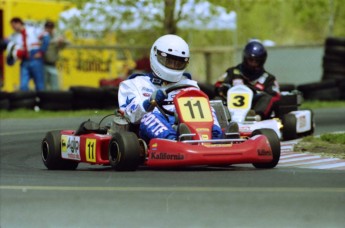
171 61
255 61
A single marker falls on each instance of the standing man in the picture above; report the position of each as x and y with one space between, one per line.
51 56
29 48
251 72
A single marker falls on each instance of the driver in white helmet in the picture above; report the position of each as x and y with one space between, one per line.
169 58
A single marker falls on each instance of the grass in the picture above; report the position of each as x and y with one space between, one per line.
27 113
322 104
328 145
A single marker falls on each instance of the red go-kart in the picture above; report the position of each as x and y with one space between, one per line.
121 148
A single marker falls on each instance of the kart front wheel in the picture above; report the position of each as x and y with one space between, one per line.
274 142
51 153
124 151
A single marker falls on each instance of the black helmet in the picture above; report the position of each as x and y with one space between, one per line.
254 51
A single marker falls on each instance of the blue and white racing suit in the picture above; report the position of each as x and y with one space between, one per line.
136 89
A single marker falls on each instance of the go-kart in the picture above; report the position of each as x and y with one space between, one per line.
118 145
287 121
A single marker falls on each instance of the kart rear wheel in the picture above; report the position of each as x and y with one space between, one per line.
274 141
124 151
51 153
289 127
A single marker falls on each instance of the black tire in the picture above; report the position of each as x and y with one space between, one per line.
4 101
20 95
324 90
329 75
274 141
335 50
335 41
289 127
55 96
4 104
336 68
87 97
124 151
55 100
110 100
56 106
287 87
332 59
25 103
51 153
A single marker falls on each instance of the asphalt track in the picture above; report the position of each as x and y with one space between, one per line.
96 196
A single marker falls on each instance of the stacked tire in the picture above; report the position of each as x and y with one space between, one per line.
94 98
55 100
334 59
22 100
332 85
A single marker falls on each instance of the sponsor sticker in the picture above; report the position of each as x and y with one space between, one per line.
166 156
302 121
70 147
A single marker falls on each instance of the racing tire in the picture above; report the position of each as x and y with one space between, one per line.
289 127
274 142
51 153
287 87
124 151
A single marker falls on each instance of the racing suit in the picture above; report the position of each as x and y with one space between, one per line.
138 88
265 87
31 47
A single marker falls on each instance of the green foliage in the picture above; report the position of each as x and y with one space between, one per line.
26 113
285 22
338 138
322 104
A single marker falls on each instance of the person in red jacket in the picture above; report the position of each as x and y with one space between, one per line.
252 73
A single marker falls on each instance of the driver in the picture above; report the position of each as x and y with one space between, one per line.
169 58
252 73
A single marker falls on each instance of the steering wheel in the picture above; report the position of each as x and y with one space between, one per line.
169 90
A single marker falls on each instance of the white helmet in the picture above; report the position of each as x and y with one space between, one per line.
169 57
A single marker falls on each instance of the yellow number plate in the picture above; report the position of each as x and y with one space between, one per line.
90 150
195 109
239 101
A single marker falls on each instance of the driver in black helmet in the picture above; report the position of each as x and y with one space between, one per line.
252 73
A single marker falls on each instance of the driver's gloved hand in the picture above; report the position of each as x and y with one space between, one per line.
158 97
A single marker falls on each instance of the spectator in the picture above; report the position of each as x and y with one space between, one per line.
25 45
51 56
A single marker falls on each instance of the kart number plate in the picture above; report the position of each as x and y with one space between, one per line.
239 101
195 109
90 150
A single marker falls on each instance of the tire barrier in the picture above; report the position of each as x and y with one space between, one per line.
55 100
22 100
332 84
286 87
76 98
334 59
327 90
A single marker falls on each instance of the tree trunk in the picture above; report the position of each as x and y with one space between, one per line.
169 17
